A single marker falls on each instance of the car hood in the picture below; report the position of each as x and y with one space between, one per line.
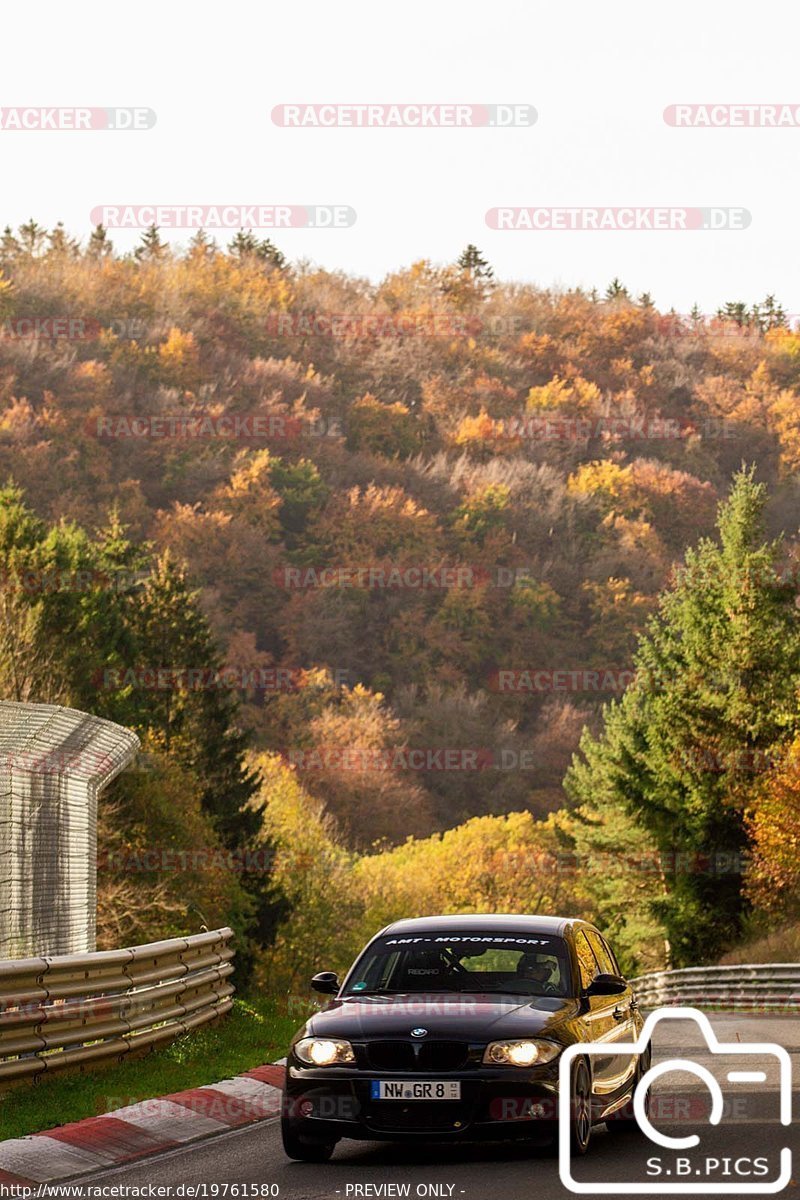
467 1016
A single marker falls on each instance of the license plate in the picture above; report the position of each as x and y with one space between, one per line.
405 1089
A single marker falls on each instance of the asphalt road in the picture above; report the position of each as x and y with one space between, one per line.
749 1131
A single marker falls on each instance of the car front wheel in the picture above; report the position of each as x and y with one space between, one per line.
580 1113
304 1149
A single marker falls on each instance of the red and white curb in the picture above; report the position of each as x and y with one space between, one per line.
142 1129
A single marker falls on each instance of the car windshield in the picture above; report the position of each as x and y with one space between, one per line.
519 964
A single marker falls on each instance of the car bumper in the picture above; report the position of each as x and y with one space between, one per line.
494 1104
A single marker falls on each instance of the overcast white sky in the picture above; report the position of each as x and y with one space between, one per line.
599 75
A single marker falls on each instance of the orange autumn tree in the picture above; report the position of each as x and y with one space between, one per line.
388 429
773 877
485 437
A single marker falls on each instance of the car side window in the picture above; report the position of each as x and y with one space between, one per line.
586 959
613 958
376 972
603 955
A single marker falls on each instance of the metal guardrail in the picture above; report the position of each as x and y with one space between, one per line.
771 987
76 1010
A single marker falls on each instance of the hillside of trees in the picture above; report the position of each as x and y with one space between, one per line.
505 571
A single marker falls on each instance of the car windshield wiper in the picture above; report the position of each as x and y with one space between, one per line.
385 991
511 991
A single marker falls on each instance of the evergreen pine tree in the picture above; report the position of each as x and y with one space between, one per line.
31 237
151 248
717 674
736 311
471 260
246 245
269 254
616 290
60 245
9 247
199 724
100 244
772 314
202 246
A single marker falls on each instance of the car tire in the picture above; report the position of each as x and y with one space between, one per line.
578 1138
304 1149
580 1109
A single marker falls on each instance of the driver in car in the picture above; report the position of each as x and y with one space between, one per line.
538 970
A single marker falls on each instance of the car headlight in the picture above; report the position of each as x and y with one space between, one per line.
324 1052
528 1053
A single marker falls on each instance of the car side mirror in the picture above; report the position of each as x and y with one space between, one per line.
606 985
326 982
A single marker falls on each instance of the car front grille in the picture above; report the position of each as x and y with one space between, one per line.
417 1056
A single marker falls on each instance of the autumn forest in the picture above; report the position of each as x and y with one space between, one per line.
440 593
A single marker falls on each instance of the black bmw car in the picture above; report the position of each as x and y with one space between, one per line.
451 1028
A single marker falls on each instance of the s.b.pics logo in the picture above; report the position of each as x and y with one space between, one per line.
709 1120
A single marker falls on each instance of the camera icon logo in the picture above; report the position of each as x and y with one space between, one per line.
753 1055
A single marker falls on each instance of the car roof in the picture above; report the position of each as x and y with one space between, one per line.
484 923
